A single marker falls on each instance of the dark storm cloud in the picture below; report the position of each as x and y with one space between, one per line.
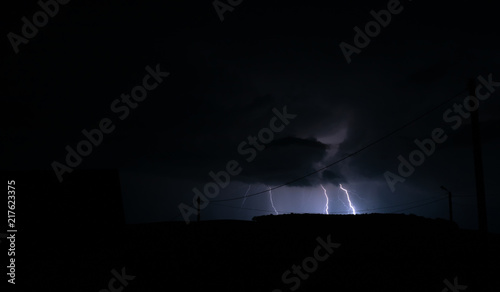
225 80
399 109
333 177
279 162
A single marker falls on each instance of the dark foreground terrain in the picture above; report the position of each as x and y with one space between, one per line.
72 237
377 252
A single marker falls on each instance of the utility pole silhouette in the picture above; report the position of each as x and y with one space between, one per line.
478 159
449 203
198 215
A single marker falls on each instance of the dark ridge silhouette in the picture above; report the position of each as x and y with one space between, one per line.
71 235
380 221
378 252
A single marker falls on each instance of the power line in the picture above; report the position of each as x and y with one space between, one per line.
364 210
434 199
409 203
472 196
427 203
351 154
246 208
420 205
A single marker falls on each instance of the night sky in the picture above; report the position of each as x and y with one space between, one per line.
233 74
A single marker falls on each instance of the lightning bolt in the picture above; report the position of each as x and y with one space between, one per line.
245 195
326 196
338 198
349 199
271 198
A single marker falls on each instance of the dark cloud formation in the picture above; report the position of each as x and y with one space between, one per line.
333 177
279 163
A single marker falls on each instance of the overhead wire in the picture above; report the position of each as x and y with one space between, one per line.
351 154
